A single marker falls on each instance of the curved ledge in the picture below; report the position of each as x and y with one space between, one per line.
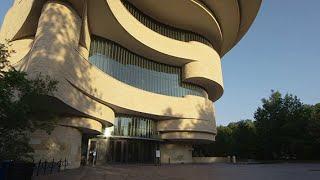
233 17
140 72
228 16
74 98
71 96
22 18
118 94
187 125
164 29
166 12
248 10
148 37
205 61
207 74
195 137
17 18
85 125
49 59
214 89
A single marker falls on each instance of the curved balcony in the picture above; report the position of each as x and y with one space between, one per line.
16 20
228 23
227 14
195 137
192 16
249 10
85 125
22 19
168 31
187 125
187 129
138 71
204 67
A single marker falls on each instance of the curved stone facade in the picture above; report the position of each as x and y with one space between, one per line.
54 38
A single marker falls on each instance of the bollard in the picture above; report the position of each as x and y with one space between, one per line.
229 159
234 159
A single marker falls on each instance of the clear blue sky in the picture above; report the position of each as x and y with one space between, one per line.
281 51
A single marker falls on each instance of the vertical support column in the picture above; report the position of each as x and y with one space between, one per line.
58 32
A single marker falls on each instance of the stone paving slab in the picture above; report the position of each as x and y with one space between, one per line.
282 171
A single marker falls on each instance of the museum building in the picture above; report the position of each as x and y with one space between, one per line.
135 76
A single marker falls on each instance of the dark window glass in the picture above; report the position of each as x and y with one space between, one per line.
171 32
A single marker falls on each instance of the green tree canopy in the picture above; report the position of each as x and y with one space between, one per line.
244 138
18 113
281 125
284 128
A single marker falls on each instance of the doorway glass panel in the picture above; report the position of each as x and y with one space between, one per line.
132 126
131 151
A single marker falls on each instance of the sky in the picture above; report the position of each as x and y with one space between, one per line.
281 51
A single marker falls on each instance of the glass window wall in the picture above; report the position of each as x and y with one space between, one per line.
168 31
138 71
133 126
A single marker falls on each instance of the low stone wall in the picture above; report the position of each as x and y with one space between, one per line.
63 143
210 159
176 153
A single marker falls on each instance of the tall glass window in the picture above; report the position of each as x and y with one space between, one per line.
168 31
138 71
133 126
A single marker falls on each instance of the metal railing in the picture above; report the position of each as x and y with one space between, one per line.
44 167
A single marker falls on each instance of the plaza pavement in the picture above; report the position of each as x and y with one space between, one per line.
281 171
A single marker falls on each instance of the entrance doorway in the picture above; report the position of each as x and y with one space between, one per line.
131 151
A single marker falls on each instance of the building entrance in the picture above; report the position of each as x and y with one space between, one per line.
131 151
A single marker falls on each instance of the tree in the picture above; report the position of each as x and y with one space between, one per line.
224 141
19 115
243 138
235 139
281 125
221 146
313 130
284 127
314 125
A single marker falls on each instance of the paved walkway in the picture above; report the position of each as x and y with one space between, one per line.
192 172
